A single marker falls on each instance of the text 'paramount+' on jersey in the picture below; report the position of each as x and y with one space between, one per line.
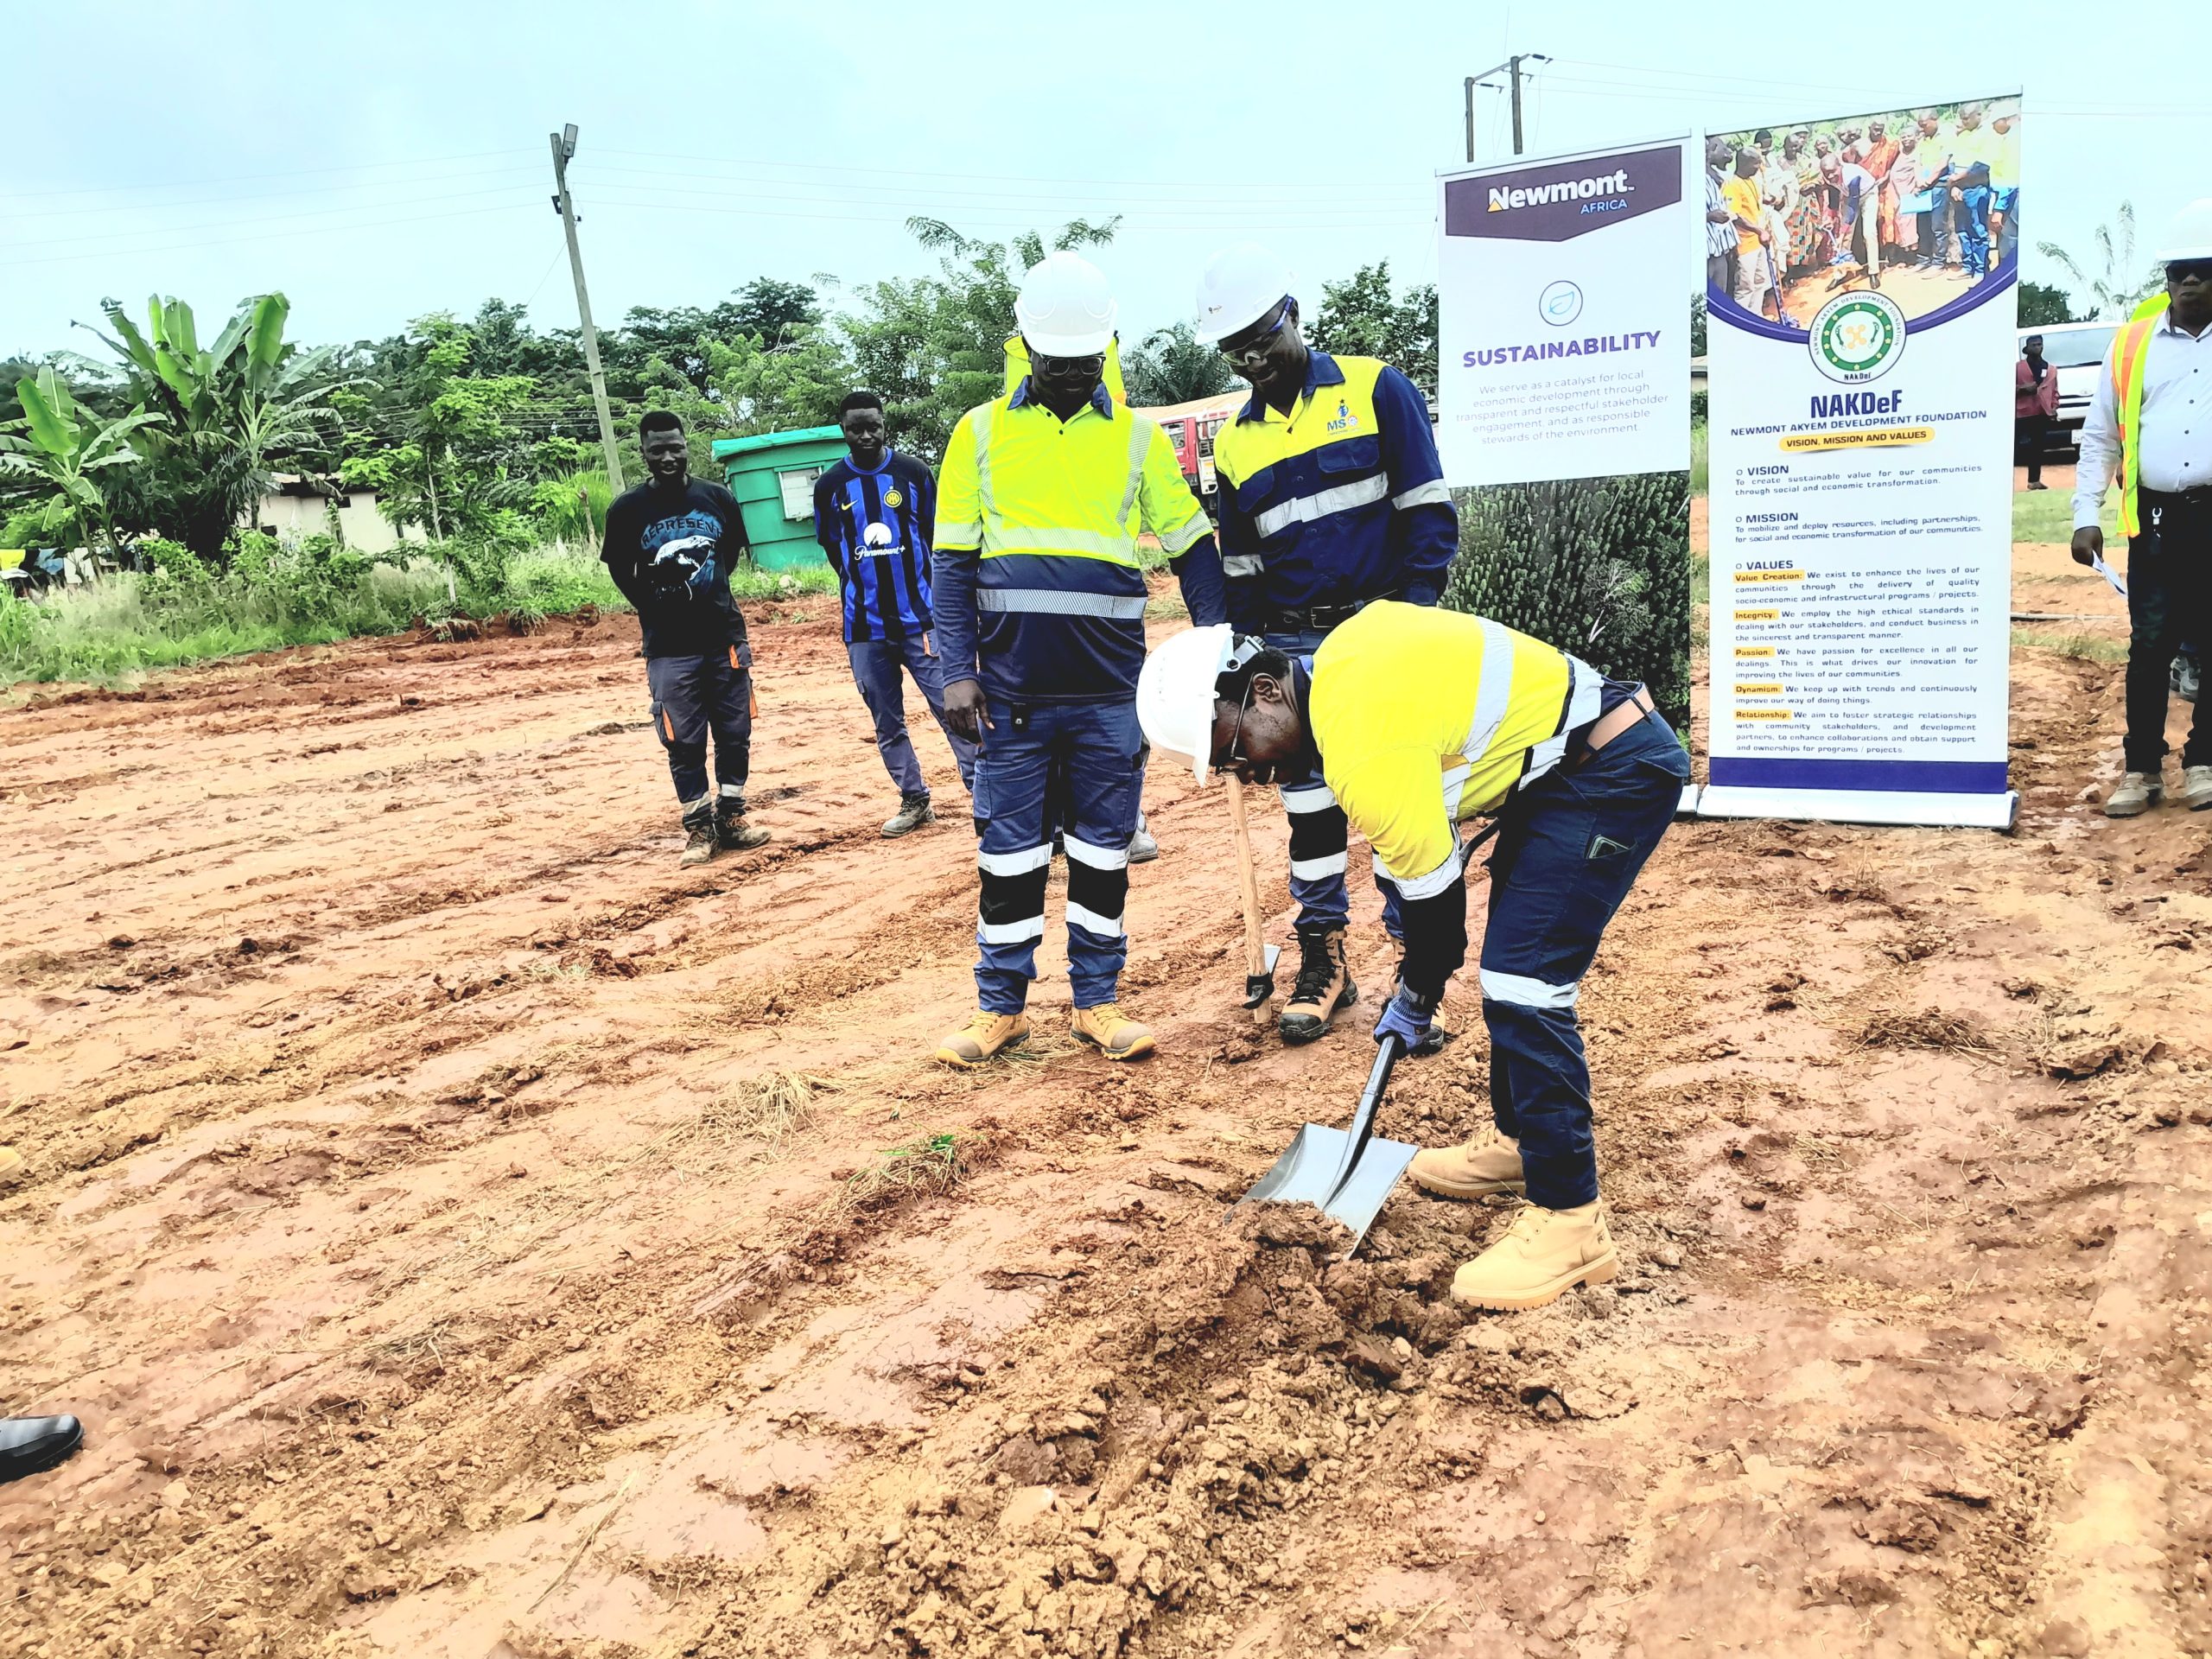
875 529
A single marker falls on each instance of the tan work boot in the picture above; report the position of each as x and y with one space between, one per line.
982 1037
1544 1254
1489 1163
2136 793
699 826
1117 1037
731 830
2196 788
1324 986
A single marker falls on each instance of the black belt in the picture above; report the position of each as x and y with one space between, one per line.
1319 618
2201 496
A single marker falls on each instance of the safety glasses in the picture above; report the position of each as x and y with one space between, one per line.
1254 351
2183 271
1234 759
1062 368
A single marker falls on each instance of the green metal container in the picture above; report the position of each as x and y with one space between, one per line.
773 477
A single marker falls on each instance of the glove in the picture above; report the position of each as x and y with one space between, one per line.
1407 1016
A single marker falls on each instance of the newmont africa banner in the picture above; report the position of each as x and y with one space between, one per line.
1564 404
1860 421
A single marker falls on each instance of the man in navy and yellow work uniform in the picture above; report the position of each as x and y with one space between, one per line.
1418 719
1040 606
1331 498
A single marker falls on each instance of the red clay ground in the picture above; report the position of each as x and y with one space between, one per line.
466 1234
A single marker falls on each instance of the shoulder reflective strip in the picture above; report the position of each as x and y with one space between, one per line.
1243 564
1455 786
1306 797
1435 492
982 424
1306 509
1099 858
1314 869
1527 993
1585 691
1141 431
1107 927
1183 538
1021 863
1078 543
1427 886
1020 932
1493 691
1051 602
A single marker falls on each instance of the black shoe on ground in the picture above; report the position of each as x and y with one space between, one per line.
914 811
29 1445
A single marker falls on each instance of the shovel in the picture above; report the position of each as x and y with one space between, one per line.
1259 959
1344 1173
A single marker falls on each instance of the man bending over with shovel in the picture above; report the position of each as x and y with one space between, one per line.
1417 720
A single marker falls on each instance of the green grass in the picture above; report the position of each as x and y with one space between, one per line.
2090 647
2048 516
1700 466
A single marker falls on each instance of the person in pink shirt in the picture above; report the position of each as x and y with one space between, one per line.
2035 400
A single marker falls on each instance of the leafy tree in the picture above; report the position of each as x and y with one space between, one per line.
61 447
2042 304
1598 566
1173 367
2119 284
452 469
775 313
1697 325
221 415
1362 317
933 348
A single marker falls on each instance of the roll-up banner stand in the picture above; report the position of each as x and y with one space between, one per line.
1861 338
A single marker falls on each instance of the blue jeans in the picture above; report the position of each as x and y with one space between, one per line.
1092 750
2007 202
876 664
1932 223
1573 845
1320 836
1971 212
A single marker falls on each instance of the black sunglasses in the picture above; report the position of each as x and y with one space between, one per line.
1256 349
1060 367
2182 271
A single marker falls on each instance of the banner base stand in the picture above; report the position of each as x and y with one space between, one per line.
1978 811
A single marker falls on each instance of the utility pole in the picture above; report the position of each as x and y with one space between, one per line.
1511 68
565 147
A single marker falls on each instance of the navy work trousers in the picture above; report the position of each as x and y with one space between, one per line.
1573 844
693 696
1093 751
876 665
2168 606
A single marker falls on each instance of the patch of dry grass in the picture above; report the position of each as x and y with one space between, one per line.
1927 1028
936 1164
768 1110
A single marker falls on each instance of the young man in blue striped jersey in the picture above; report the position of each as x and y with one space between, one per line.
873 512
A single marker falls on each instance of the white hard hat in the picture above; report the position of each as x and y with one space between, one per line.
1238 287
1175 691
1066 307
2190 236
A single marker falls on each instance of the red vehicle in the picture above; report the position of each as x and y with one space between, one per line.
1191 428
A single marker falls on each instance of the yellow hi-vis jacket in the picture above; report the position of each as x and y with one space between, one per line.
1038 593
1425 718
2131 348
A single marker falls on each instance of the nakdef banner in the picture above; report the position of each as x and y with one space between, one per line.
1861 338
1562 350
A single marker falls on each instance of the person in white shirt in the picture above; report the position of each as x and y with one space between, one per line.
2165 356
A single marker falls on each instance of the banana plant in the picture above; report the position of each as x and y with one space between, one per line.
223 410
62 446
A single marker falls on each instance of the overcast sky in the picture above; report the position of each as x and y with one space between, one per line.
378 162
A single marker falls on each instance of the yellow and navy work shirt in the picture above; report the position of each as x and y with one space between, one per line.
1426 717
1340 502
1038 591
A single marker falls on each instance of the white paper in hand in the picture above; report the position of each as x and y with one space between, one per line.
2098 564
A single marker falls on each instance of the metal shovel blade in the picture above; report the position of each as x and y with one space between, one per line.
1346 1174
1306 1173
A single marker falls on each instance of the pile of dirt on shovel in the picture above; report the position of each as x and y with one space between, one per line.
1211 1380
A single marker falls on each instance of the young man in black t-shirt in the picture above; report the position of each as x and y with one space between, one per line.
670 546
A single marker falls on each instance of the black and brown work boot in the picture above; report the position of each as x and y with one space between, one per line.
732 833
1324 987
701 843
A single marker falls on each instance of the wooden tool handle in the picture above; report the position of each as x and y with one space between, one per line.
1247 881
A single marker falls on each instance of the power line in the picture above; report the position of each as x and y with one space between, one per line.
822 167
272 218
275 195
272 236
241 178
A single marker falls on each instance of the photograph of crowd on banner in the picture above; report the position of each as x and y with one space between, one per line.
1920 205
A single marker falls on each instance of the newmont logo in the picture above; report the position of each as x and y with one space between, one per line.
1607 184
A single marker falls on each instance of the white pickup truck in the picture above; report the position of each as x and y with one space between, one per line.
2077 351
